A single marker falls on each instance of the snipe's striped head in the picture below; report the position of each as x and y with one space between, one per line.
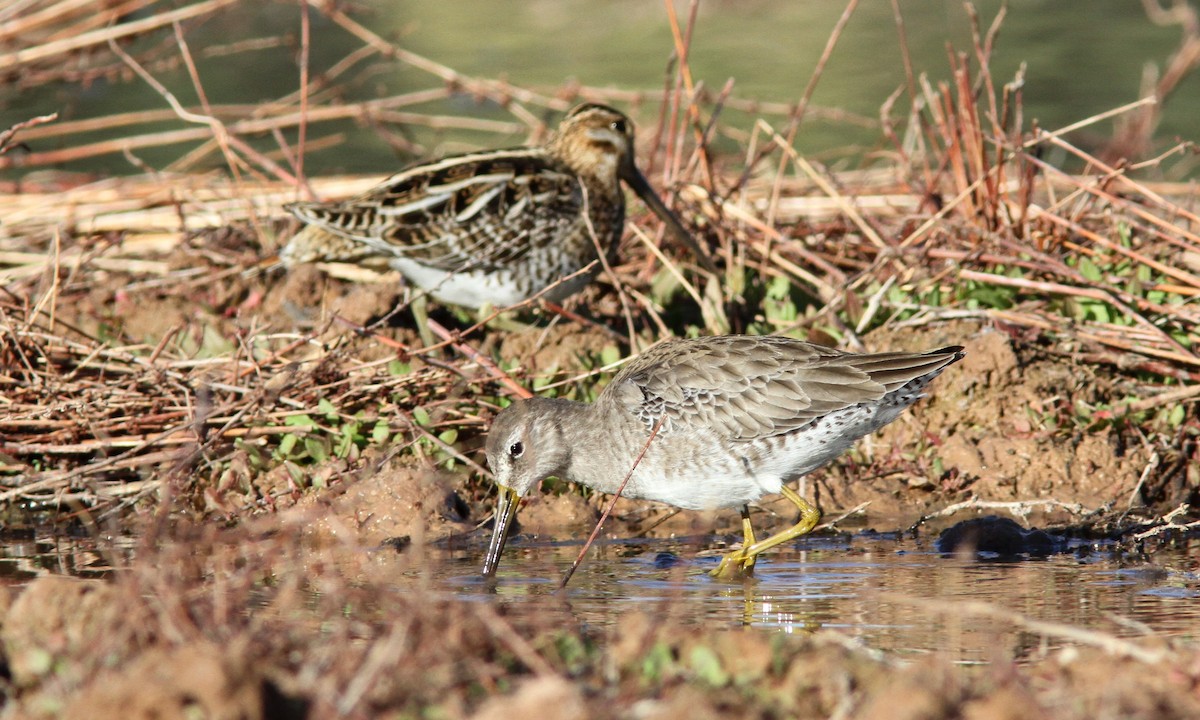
596 141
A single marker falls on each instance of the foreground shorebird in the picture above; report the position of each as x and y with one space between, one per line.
493 228
733 418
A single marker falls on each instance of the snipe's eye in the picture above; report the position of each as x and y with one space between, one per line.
619 126
516 449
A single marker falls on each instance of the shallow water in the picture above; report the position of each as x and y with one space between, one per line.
886 592
23 558
889 593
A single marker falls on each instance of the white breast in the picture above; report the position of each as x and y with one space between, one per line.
468 289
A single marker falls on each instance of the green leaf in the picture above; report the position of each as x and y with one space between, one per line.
395 367
1088 269
421 416
350 439
287 444
609 355
778 288
1125 234
295 472
707 666
656 663
988 296
664 287
448 436
317 448
573 651
327 409
379 433
301 420
1176 416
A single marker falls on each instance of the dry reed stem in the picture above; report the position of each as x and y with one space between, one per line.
11 61
8 136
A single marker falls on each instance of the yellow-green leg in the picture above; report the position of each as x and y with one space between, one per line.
730 572
748 538
420 312
505 321
741 562
419 306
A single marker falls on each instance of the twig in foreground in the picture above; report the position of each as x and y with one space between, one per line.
611 505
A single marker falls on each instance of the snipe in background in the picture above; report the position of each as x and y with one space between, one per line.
494 228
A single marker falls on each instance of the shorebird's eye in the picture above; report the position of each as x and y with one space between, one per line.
618 125
516 449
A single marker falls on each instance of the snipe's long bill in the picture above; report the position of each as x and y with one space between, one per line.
494 228
738 417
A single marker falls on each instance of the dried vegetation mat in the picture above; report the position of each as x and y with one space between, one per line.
151 380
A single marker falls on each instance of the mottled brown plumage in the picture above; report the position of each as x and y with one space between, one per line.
737 417
493 227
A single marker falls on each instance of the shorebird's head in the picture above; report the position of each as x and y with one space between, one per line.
524 447
596 142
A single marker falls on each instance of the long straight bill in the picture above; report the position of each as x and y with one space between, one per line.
506 510
638 183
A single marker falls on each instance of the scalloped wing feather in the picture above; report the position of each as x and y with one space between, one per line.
753 387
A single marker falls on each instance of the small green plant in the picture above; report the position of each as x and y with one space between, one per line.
779 307
706 665
576 653
334 435
434 445
657 664
976 295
